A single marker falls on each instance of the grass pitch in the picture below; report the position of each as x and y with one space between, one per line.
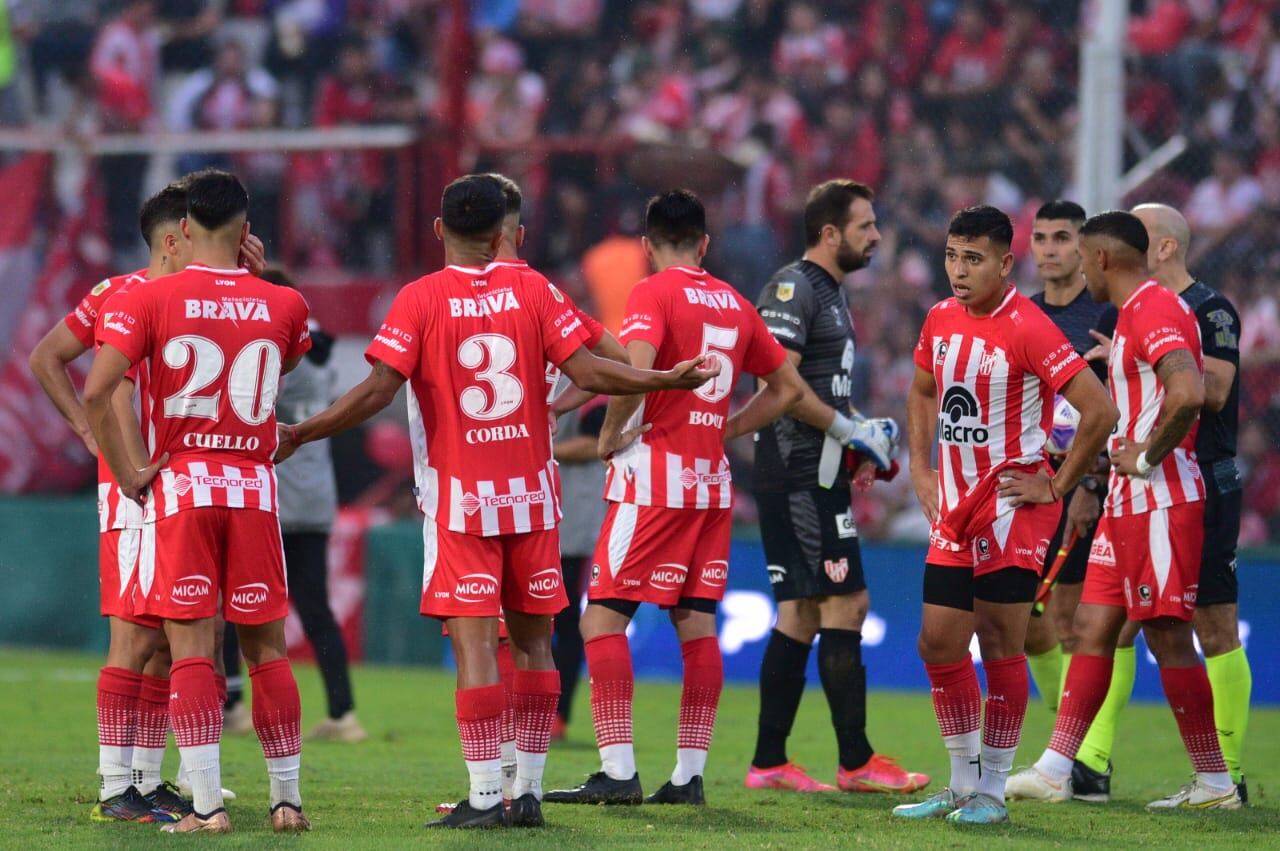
377 794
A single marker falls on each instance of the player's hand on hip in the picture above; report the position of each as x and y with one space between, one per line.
1125 457
140 482
253 255
611 443
287 442
925 482
1083 510
1102 351
1026 488
692 373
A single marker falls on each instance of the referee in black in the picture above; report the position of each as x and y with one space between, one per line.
803 490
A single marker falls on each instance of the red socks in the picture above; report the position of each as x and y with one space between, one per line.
612 688
118 707
535 694
194 708
1191 698
277 710
703 681
957 698
479 713
1088 679
153 712
1007 691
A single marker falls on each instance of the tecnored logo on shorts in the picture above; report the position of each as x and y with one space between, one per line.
191 590
475 588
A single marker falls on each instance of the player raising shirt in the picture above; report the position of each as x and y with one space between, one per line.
216 340
1153 523
666 532
988 364
473 341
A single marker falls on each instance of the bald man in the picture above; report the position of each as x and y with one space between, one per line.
1216 617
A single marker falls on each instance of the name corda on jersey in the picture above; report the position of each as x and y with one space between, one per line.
680 463
115 511
996 377
214 342
1153 322
474 345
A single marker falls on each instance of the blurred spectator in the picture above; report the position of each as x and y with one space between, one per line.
1221 202
189 26
506 101
969 59
61 37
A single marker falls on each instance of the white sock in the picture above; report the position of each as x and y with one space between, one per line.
528 774
183 778
115 769
964 749
203 766
996 765
1215 779
618 761
690 763
283 772
509 760
1054 765
486 783
146 768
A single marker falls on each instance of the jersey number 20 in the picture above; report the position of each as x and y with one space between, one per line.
252 382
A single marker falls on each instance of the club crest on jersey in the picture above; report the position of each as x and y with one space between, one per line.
987 363
837 569
786 291
960 418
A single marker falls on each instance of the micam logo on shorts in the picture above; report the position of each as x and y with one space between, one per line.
470 503
191 590
715 573
544 584
957 415
249 597
668 576
475 588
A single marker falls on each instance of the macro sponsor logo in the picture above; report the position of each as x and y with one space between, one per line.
191 590
494 434
715 573
718 299
704 418
475 588
668 576
487 305
249 597
232 309
220 441
544 584
956 418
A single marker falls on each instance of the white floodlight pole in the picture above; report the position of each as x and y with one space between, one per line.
1100 146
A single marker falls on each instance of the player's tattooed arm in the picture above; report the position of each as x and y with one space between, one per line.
922 426
356 405
1183 399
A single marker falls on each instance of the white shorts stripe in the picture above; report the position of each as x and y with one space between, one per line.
128 545
1159 545
430 551
621 533
147 558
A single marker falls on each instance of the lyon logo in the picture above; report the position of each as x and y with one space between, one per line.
475 588
668 577
191 590
837 570
248 598
544 584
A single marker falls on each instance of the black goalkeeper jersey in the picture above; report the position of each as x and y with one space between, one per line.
806 311
1077 318
1220 338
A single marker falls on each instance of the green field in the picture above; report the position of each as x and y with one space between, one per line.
377 794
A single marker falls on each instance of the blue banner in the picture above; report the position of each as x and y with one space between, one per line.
889 634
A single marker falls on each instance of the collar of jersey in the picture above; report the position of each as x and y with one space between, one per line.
198 267
508 262
473 271
1151 282
691 272
1008 297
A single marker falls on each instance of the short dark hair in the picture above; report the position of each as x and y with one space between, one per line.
167 205
982 220
215 197
1119 225
473 205
1061 209
675 218
828 204
510 191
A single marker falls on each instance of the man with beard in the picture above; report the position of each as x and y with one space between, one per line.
803 485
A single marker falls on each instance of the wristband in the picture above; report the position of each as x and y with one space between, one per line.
1144 466
841 428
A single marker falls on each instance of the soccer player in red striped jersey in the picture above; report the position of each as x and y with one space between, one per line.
473 340
1153 522
987 367
133 690
215 341
666 532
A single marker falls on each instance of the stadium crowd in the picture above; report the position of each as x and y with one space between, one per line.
938 104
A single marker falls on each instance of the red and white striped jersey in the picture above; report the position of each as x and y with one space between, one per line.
680 462
114 510
473 344
214 341
996 376
1152 323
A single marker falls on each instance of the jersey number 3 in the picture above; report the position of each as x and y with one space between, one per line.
491 356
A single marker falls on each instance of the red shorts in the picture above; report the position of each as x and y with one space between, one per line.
1149 563
471 576
191 559
118 576
654 554
1018 538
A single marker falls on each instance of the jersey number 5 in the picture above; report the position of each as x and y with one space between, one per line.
252 382
716 341
491 356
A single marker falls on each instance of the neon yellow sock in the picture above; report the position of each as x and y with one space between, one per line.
1232 683
1095 751
1046 670
1062 679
